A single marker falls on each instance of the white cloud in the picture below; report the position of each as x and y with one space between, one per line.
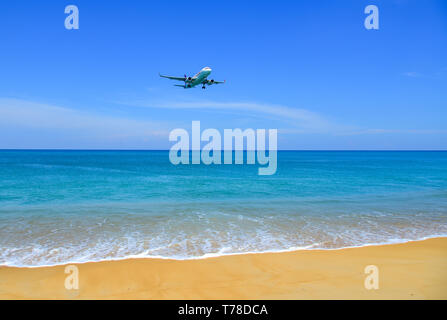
295 117
18 116
412 74
399 131
38 115
25 124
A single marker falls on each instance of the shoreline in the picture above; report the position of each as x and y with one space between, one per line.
409 270
217 255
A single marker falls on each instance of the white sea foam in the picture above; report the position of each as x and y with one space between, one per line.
40 257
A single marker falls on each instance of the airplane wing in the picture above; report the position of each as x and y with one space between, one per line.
214 82
173 78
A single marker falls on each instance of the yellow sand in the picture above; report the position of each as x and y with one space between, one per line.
415 270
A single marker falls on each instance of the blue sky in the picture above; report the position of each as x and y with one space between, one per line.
308 68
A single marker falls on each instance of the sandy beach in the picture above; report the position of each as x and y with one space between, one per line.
414 270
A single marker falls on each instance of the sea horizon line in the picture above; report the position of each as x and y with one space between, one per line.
287 150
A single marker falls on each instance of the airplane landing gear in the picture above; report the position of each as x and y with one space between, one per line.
203 87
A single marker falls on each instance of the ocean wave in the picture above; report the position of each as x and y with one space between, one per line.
221 253
74 239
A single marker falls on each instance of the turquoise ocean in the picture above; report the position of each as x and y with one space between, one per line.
58 207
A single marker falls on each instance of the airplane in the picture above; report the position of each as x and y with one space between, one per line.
199 78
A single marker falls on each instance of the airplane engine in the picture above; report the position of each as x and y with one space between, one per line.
210 82
189 79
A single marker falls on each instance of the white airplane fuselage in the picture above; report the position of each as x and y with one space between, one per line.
199 78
